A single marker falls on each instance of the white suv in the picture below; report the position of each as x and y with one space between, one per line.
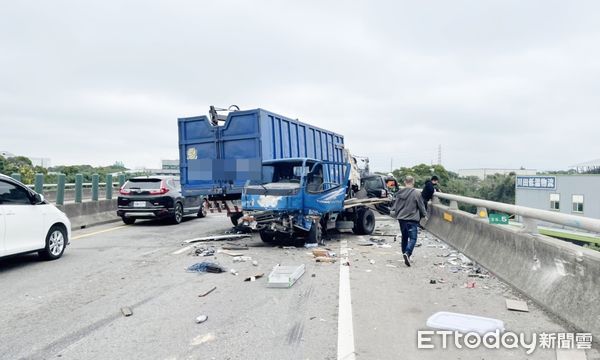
28 223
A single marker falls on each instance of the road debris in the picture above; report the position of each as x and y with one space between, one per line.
433 281
464 323
200 319
230 253
205 267
321 253
516 305
208 292
570 354
216 238
325 259
126 311
254 263
201 339
470 285
233 272
204 252
372 262
242 258
364 243
234 247
285 276
253 278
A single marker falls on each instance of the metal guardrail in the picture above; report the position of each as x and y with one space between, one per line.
529 216
76 190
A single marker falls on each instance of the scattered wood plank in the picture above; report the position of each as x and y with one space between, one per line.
208 292
234 247
231 253
217 238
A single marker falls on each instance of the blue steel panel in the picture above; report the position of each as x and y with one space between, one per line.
310 143
294 144
197 128
318 151
302 141
277 137
243 124
285 139
241 149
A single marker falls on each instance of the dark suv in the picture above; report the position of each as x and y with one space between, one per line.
375 187
156 197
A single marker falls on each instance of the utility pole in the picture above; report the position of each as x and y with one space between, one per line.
439 154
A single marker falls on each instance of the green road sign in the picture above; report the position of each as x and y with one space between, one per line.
498 219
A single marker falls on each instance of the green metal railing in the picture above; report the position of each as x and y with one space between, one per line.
79 190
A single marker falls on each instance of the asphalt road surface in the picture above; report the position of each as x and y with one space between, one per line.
371 309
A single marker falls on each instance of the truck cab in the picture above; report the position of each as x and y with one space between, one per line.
298 197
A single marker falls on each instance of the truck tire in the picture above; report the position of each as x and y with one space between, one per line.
267 237
314 234
235 217
364 223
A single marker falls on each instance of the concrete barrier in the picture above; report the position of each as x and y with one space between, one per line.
561 277
89 213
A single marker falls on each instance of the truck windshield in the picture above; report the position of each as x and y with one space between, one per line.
283 172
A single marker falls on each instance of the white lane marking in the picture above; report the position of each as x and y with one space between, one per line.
345 348
182 250
98 232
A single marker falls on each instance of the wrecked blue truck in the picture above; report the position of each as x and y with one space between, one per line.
301 198
275 174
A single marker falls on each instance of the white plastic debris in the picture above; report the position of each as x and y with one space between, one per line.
464 323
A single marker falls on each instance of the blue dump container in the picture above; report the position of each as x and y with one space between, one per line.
217 161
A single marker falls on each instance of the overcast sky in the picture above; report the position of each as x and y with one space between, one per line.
496 83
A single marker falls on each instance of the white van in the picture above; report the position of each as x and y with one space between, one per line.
28 223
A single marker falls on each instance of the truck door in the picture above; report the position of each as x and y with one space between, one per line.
321 194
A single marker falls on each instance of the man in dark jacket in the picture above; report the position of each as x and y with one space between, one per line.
408 209
429 189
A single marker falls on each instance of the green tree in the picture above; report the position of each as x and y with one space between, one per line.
499 188
2 165
20 165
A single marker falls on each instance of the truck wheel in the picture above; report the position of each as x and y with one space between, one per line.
267 237
235 217
364 223
314 234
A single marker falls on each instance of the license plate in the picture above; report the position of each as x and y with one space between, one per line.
139 204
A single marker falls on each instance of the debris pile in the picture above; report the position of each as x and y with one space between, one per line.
205 267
